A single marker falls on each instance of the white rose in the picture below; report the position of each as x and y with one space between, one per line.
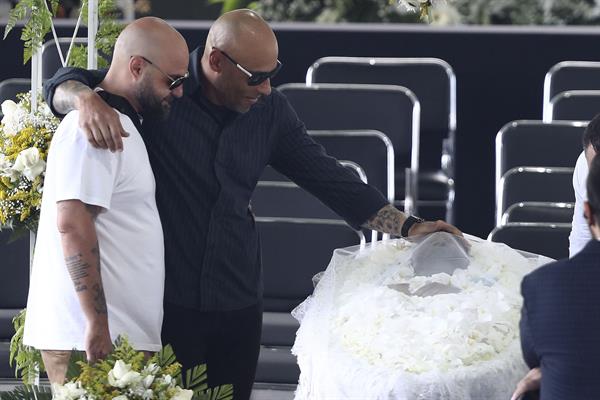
68 391
8 108
121 397
148 381
12 114
182 394
5 166
122 376
29 163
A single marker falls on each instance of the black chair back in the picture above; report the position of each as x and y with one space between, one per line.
550 240
432 80
575 105
534 184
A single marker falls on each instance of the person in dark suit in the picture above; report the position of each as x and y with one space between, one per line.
560 320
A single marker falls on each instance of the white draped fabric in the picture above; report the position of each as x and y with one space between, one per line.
414 320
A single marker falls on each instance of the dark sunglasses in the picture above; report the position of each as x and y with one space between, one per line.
175 81
254 78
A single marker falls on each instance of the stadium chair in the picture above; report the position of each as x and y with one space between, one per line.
9 88
51 61
13 292
392 110
531 211
550 240
569 75
575 105
433 82
536 184
289 265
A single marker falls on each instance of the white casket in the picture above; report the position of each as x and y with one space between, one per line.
414 320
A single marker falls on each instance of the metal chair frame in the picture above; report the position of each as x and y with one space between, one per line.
511 208
549 94
500 188
571 94
501 169
412 171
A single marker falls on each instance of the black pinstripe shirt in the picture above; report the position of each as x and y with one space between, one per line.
207 161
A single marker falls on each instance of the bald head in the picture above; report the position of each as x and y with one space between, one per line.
152 38
149 58
245 34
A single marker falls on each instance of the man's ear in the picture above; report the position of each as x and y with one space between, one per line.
588 214
136 66
215 61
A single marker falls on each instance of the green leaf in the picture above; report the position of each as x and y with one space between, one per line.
74 368
196 378
28 393
166 356
223 392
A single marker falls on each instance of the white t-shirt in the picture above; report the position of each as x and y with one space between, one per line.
580 232
130 239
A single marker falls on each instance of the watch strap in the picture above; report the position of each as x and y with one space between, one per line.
408 223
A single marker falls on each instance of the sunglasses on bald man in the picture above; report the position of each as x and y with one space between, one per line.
254 78
176 81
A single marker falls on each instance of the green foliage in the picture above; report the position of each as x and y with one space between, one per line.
331 11
27 360
37 26
75 361
106 36
196 379
164 357
28 393
224 392
39 21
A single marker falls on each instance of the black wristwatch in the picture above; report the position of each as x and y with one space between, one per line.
408 223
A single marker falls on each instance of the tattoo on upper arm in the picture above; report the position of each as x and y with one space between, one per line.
99 299
388 220
78 269
65 94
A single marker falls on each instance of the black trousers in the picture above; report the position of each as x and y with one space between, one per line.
227 341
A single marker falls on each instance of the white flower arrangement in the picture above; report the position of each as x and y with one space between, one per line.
24 141
441 332
127 374
124 383
380 326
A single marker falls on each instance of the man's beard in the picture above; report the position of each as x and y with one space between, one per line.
152 106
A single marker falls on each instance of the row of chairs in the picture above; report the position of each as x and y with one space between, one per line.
535 162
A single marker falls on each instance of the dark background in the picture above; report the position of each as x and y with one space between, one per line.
500 74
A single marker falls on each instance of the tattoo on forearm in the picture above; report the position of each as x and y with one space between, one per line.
96 253
388 220
65 94
99 299
78 269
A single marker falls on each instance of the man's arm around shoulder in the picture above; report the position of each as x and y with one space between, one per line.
71 89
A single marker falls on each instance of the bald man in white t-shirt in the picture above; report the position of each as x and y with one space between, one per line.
98 268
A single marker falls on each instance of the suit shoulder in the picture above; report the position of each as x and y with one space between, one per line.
546 272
